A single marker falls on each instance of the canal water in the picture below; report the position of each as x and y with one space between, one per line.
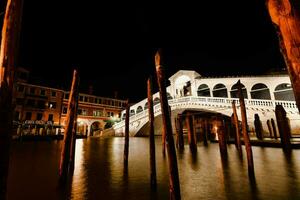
99 173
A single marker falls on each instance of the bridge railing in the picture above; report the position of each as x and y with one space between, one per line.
212 102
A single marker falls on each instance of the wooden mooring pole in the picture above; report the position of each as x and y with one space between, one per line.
283 127
126 144
8 54
180 132
71 115
171 152
74 131
219 123
274 128
191 137
245 131
237 129
258 127
151 134
270 128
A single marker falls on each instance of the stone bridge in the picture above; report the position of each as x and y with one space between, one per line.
190 91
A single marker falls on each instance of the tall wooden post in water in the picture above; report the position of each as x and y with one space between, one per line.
283 127
191 137
8 54
245 131
151 134
71 115
237 129
74 131
126 145
285 15
274 128
180 132
171 152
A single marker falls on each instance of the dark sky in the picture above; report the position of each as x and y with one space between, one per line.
113 43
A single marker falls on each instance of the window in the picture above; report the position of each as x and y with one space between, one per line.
50 117
28 116
97 113
43 92
21 88
52 105
67 96
39 116
30 103
86 99
16 116
65 110
19 101
41 104
80 98
82 111
53 94
32 91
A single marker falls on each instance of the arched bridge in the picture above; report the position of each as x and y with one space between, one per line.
189 91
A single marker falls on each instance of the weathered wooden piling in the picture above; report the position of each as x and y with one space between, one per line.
190 128
126 144
180 132
258 127
237 129
74 132
204 128
171 152
151 134
270 128
221 136
283 127
66 148
245 131
285 15
8 54
274 128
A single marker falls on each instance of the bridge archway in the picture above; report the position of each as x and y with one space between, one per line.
284 92
260 91
95 128
234 91
132 112
155 101
146 106
183 86
220 90
203 90
139 109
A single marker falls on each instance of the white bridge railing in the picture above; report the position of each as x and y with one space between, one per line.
206 102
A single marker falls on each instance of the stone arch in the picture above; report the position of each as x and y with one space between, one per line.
95 128
169 96
203 90
82 128
132 112
234 91
139 109
284 92
156 101
183 86
260 91
220 90
146 106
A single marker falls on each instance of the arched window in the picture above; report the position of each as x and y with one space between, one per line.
220 90
260 91
156 101
203 90
284 92
139 109
234 91
169 96
146 106
132 112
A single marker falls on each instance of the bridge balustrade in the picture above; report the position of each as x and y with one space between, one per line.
211 102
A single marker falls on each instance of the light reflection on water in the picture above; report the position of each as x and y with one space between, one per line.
99 172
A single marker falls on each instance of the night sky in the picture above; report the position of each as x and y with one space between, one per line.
113 43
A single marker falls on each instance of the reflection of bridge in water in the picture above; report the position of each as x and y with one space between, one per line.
189 91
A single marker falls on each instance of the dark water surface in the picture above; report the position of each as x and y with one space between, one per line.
99 172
